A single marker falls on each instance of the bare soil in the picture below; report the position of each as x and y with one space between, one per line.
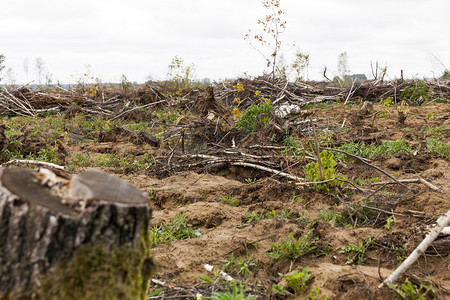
185 185
224 230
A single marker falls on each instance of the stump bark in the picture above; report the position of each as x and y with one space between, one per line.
84 240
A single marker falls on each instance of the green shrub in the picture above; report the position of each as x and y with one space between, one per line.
312 172
254 115
386 148
416 90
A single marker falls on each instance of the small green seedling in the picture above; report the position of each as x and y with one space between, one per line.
177 229
230 200
409 290
298 281
357 252
389 222
293 248
233 265
254 216
250 180
237 293
400 251
316 295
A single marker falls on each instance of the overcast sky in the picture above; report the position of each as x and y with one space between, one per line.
139 38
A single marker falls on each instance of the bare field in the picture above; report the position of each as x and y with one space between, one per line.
243 194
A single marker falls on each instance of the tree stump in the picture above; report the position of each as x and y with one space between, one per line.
86 238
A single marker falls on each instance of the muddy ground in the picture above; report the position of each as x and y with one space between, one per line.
183 183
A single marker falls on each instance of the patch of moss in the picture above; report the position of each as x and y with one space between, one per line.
93 272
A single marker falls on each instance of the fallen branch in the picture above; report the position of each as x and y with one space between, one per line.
351 92
441 223
384 211
414 180
32 162
276 172
316 182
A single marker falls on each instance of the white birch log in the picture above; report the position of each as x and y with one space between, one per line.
441 223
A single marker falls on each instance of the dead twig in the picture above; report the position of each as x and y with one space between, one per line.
384 211
319 161
32 162
276 172
351 92
413 180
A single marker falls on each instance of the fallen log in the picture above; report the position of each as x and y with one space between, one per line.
86 238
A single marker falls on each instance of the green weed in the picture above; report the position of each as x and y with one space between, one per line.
437 147
388 102
237 293
233 265
316 295
410 291
303 220
129 161
177 229
416 90
357 252
81 161
167 115
312 172
298 281
285 214
400 252
436 132
293 248
244 266
44 155
389 222
293 147
229 264
328 215
355 215
279 290
250 180
230 200
442 100
156 292
256 114
296 198
254 216
387 148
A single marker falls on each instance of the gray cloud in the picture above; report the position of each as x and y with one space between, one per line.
139 37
